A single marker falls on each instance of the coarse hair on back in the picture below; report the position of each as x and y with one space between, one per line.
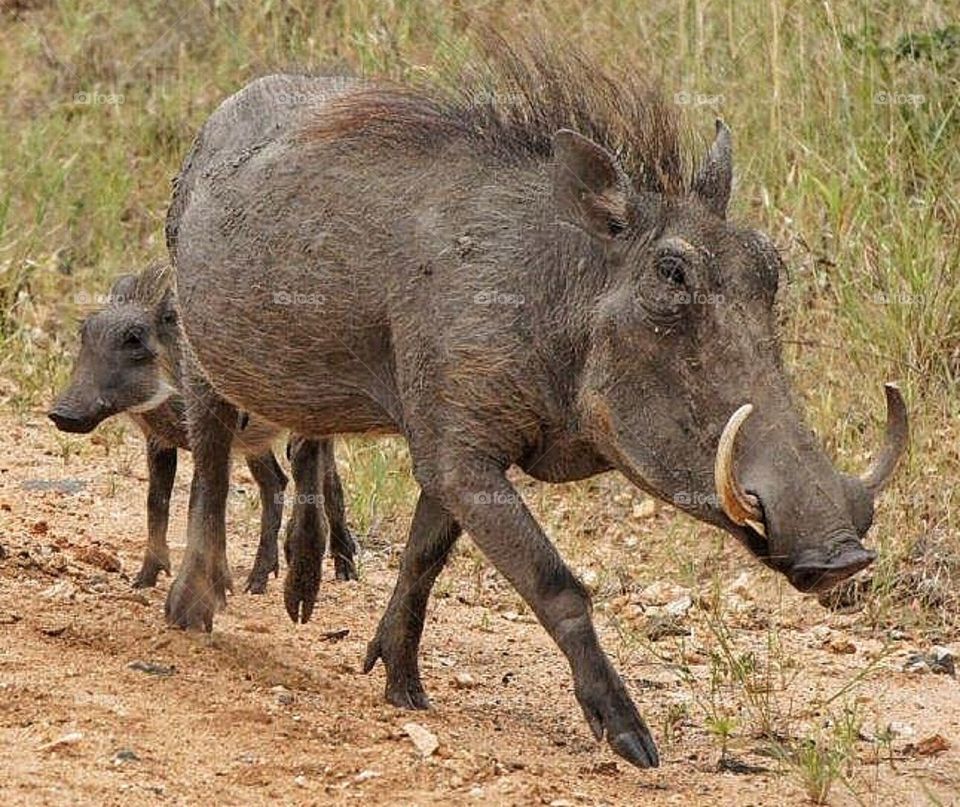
510 102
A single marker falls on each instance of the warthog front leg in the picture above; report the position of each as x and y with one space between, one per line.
162 469
201 585
397 641
306 536
485 503
343 546
272 482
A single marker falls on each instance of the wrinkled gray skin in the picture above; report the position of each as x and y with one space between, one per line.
130 362
494 313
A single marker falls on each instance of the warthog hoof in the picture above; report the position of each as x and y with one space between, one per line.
302 584
150 571
344 550
267 561
403 688
194 598
610 712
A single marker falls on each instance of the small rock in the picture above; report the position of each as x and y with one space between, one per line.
941 661
938 660
152 668
679 606
476 793
125 755
510 616
424 740
916 663
463 680
67 739
841 646
898 635
661 592
646 509
300 781
661 626
561 803
897 729
363 776
284 695
61 591
589 578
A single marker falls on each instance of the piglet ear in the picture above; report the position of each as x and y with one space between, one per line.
124 289
714 178
589 187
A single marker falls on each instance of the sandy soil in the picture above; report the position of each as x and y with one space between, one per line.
263 710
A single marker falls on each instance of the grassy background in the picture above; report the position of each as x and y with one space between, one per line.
846 123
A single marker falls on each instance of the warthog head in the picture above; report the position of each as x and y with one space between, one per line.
683 388
124 360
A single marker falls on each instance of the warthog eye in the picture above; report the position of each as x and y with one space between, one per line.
671 268
134 342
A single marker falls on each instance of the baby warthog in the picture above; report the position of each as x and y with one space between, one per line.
519 271
130 362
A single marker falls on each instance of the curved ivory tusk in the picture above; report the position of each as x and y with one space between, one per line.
741 507
876 477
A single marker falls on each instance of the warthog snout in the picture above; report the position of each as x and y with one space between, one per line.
78 419
818 570
813 558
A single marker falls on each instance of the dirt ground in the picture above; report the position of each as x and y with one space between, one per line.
265 711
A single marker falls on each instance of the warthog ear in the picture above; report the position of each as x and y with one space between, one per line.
715 176
124 289
590 189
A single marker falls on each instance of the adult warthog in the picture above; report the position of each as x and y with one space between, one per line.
520 272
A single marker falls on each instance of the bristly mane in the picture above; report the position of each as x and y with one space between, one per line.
511 103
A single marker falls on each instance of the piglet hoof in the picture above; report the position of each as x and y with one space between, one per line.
345 568
150 571
344 552
265 563
192 601
403 688
610 712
